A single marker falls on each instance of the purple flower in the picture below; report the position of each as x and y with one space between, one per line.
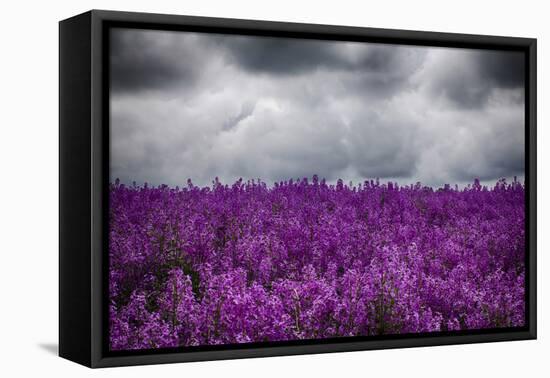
304 259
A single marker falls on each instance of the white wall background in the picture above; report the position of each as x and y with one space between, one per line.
29 186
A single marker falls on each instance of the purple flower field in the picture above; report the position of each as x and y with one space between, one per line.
303 259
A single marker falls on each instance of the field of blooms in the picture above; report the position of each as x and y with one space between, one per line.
303 259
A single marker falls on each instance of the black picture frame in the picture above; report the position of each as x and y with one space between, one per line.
84 179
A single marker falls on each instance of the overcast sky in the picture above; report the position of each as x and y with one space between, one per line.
191 105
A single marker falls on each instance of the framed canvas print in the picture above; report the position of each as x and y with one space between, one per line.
234 188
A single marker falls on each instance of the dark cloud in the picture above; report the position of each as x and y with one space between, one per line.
377 64
283 56
191 105
151 60
503 69
476 74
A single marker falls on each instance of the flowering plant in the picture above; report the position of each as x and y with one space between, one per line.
307 260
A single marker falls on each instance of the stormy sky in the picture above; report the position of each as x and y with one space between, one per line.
192 105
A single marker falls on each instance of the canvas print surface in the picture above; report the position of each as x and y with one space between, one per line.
272 189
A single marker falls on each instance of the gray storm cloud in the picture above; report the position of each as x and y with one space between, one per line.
190 105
